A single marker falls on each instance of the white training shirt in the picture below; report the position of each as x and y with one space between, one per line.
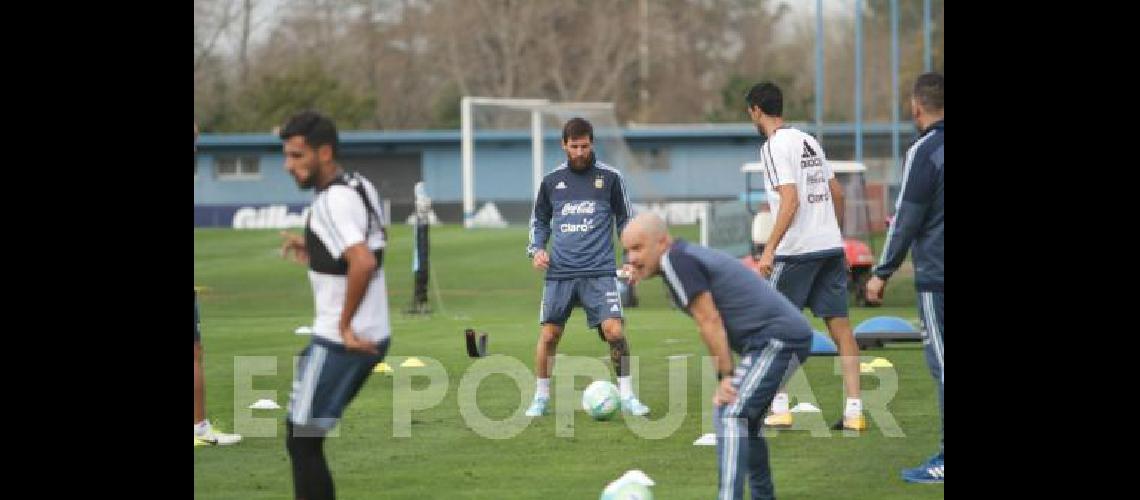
339 219
792 157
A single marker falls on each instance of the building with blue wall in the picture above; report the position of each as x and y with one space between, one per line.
240 181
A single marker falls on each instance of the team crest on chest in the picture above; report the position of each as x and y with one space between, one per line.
599 183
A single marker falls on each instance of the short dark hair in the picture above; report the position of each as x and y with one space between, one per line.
767 97
317 129
577 127
929 91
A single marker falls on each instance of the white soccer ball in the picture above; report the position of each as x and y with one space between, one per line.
601 400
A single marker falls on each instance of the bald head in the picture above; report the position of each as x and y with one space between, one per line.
649 223
645 238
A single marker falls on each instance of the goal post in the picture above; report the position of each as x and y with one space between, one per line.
468 143
538 118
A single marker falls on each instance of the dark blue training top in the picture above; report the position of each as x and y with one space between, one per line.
580 209
749 306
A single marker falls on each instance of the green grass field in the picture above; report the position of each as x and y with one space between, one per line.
254 300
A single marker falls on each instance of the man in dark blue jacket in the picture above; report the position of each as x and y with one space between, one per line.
919 220
579 203
736 311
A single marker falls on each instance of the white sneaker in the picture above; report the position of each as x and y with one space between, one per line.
537 407
205 432
634 407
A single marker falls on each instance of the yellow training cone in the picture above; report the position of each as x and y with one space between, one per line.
880 363
382 368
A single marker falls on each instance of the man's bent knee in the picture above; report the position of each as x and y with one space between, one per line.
612 330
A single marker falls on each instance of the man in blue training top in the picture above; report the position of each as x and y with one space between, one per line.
735 309
579 202
920 219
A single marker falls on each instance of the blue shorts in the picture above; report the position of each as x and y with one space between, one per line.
597 295
326 379
819 283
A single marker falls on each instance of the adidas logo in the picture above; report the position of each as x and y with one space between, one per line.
615 308
561 185
808 151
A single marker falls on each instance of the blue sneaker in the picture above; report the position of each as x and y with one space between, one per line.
537 407
933 471
634 407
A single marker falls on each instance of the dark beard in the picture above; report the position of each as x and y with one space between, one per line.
588 162
307 183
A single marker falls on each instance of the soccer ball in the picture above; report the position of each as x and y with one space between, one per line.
601 400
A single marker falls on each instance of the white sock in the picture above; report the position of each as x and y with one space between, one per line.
543 388
780 403
625 385
854 407
202 426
